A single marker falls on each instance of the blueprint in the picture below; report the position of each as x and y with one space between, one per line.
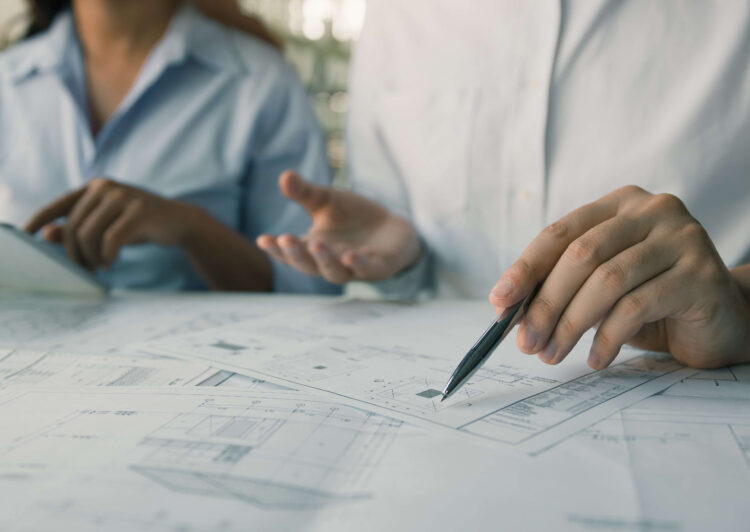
106 326
732 382
202 459
397 358
197 435
24 368
664 464
688 458
183 458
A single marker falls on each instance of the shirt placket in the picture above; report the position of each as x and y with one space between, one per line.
526 199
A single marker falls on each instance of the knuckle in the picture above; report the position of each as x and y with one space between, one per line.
632 306
704 268
557 230
568 328
612 276
138 206
582 250
83 233
115 195
521 268
667 203
85 236
694 232
632 190
100 183
605 342
543 309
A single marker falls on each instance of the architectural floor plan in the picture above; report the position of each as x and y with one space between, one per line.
99 435
106 326
204 452
366 352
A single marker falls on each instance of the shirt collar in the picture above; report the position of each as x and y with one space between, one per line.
190 36
47 51
204 40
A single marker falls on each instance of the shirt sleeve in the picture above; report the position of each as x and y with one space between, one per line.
287 137
408 285
372 170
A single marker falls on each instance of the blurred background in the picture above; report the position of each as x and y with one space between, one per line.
317 35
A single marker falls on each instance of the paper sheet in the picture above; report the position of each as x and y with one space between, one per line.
108 459
689 458
397 358
21 368
732 382
24 368
204 459
183 459
106 326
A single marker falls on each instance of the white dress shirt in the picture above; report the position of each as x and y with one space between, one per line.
484 121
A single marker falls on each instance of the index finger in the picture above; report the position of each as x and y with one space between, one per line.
538 259
311 197
54 210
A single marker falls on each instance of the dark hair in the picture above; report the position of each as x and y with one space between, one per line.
43 12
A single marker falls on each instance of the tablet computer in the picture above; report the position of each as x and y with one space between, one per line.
30 265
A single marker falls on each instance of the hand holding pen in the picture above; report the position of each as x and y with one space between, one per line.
644 270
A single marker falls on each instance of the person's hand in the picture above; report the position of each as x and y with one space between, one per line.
641 268
104 216
351 238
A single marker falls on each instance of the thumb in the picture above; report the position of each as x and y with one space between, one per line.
311 197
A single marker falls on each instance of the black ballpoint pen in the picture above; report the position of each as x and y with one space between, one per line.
484 347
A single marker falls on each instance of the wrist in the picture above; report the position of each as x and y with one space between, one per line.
191 220
417 253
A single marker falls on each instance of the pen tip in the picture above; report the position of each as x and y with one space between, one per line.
443 398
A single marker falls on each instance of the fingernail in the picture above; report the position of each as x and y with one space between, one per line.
503 289
549 352
529 339
593 359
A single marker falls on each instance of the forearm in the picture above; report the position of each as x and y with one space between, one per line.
224 259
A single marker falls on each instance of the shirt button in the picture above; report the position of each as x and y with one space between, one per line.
524 193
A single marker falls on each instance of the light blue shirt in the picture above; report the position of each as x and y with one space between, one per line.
213 118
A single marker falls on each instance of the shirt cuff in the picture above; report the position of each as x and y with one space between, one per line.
408 285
